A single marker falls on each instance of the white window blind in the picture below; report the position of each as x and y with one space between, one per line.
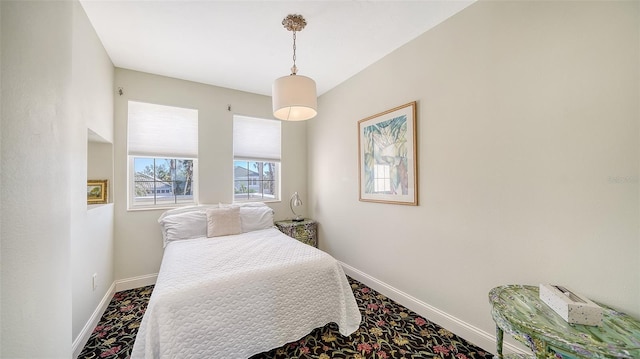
157 130
256 139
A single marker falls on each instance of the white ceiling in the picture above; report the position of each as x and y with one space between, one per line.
242 44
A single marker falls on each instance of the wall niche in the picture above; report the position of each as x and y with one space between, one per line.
100 162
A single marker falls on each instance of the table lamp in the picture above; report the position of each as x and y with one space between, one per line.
295 201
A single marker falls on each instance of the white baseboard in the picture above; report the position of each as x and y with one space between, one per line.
82 338
117 286
465 330
136 282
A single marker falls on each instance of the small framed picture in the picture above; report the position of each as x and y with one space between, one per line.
387 156
97 191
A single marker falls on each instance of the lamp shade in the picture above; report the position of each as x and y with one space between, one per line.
294 98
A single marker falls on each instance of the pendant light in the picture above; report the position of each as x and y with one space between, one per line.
294 96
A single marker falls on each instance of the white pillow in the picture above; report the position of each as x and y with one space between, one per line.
255 218
223 221
191 222
179 210
253 204
242 204
187 225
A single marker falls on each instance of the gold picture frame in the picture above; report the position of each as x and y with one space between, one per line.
387 156
97 191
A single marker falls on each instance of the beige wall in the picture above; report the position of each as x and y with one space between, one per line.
36 163
138 238
92 239
56 82
527 153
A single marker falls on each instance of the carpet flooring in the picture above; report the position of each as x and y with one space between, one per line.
388 330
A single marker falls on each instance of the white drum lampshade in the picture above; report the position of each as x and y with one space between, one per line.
294 98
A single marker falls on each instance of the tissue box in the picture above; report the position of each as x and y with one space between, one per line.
572 307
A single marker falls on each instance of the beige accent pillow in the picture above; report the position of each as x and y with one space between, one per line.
223 221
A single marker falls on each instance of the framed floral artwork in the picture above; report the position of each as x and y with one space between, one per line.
387 156
97 191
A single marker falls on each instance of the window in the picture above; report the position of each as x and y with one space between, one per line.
382 178
256 159
162 181
163 155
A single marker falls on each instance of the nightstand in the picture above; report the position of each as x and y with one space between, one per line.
518 310
306 231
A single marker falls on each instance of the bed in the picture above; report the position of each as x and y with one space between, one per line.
237 294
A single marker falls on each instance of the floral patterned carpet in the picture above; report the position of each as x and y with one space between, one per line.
388 330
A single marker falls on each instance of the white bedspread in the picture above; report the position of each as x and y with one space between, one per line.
235 296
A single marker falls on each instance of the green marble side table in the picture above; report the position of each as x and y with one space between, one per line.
517 310
306 231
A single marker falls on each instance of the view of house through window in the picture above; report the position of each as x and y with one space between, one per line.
162 181
254 180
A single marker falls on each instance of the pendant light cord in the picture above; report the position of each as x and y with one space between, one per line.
294 23
294 69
